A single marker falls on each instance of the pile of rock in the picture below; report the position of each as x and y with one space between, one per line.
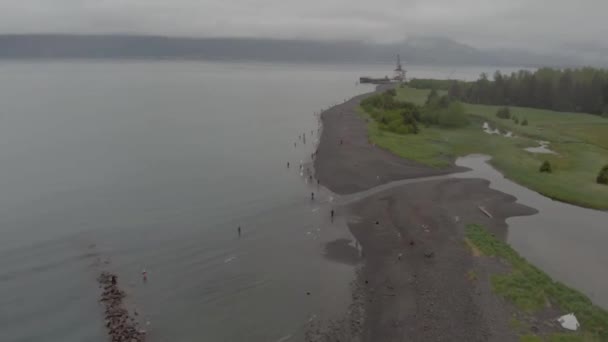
121 327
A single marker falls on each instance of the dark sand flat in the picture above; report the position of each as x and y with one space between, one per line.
415 281
355 164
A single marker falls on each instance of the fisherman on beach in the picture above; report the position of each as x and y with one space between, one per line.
239 231
312 195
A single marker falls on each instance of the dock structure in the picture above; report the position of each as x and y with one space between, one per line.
399 76
399 71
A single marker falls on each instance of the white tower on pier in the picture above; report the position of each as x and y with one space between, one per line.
399 71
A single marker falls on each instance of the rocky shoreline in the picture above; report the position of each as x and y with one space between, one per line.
120 325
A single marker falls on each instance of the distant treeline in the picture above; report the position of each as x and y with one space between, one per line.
572 90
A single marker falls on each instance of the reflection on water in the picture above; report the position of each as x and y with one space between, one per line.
566 241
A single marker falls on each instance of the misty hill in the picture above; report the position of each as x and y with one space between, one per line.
413 51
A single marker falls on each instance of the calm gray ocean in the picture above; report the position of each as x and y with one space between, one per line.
125 166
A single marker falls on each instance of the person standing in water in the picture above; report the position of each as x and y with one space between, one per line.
288 165
312 195
239 230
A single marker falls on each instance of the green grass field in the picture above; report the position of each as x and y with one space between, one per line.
417 96
531 290
581 141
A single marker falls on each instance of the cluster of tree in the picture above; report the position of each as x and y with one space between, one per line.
602 178
443 111
429 83
580 90
505 113
392 115
384 101
404 117
545 167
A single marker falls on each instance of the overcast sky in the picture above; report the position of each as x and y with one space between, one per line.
482 23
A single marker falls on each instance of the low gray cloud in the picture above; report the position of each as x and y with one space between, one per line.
531 24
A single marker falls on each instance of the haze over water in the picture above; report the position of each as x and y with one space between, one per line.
125 166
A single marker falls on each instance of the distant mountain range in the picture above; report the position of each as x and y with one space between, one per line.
413 51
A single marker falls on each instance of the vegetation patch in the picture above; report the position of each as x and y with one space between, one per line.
503 113
404 117
559 337
545 167
441 111
531 338
531 290
580 139
474 250
602 178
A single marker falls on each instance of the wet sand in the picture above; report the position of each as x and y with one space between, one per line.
415 279
414 283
